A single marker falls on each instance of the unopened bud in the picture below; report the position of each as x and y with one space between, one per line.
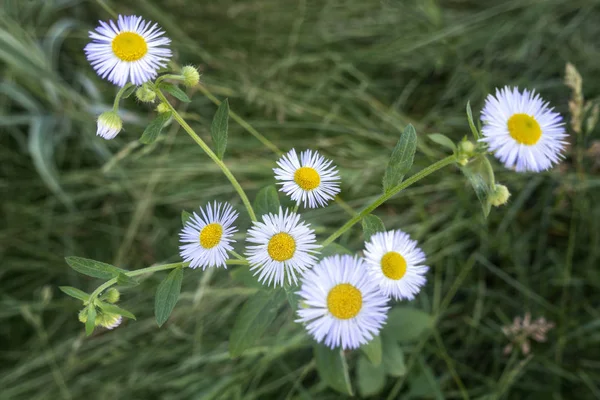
112 295
83 315
191 77
109 320
163 108
145 94
109 125
466 147
499 195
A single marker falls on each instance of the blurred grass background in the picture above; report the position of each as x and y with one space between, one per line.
343 77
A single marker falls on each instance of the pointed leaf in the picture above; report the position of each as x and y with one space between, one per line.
127 281
111 308
443 140
167 295
402 159
333 369
266 201
373 350
175 91
474 130
185 216
254 318
93 268
393 356
155 127
129 91
90 323
371 225
74 292
407 324
480 174
219 127
371 378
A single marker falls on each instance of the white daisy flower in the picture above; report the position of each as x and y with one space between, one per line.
109 125
280 245
343 306
522 130
129 51
395 264
206 239
310 180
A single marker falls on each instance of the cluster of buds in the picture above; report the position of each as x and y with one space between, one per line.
523 329
105 319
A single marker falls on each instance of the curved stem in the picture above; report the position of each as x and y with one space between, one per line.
386 196
211 154
119 95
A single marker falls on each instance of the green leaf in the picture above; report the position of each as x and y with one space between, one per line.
111 308
90 323
480 174
129 91
244 275
128 281
443 140
401 160
393 356
333 369
371 378
371 225
167 295
373 350
291 293
185 216
155 127
407 324
266 201
175 91
219 127
254 318
332 249
93 268
474 130
424 384
74 292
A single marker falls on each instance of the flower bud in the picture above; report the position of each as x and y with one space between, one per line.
112 295
463 159
145 94
191 77
109 320
83 315
163 108
499 195
466 147
109 125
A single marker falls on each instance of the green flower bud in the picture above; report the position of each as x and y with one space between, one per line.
83 315
109 125
191 77
112 295
109 320
145 94
163 108
462 159
499 195
466 147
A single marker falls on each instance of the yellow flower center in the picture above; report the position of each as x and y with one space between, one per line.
307 178
344 301
393 265
524 129
129 46
281 246
210 235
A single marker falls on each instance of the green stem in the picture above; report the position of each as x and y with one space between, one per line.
211 154
386 196
168 76
119 95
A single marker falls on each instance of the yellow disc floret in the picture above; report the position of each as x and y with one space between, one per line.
282 246
393 265
344 301
210 235
307 178
524 129
129 46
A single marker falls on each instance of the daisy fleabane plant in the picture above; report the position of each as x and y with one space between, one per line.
395 264
342 305
206 238
310 180
132 50
280 245
522 131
